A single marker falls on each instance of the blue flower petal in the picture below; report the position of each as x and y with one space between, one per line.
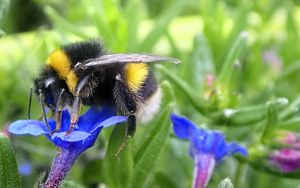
90 119
31 127
73 136
113 121
205 142
229 150
183 128
65 121
214 139
236 148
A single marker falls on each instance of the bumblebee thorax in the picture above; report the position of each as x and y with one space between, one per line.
61 63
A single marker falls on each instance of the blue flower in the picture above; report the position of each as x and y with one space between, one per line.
206 148
73 144
25 169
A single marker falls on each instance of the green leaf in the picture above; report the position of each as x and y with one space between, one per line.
265 166
291 109
4 5
133 20
92 173
161 25
272 118
185 88
9 176
201 60
71 184
291 124
153 143
246 115
234 53
101 21
2 33
63 24
164 181
118 169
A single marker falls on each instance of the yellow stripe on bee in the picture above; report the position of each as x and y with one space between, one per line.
136 74
61 63
71 80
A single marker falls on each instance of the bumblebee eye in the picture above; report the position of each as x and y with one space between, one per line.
49 81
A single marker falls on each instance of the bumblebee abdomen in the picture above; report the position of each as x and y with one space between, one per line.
149 106
136 75
147 93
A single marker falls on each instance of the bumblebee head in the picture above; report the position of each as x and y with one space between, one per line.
44 88
49 86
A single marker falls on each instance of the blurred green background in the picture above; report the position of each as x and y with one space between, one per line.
250 48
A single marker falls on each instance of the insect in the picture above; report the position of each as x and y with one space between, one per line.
83 73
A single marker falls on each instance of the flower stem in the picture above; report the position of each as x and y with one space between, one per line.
204 166
60 168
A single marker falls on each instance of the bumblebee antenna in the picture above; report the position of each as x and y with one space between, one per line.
29 103
41 97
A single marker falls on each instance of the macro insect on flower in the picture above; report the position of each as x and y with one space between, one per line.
82 73
70 145
207 148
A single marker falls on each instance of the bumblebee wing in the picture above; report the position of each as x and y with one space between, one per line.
127 58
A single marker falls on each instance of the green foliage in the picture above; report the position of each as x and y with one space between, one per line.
129 168
70 184
118 169
9 176
153 143
4 5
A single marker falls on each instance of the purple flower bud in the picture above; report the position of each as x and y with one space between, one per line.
287 160
290 138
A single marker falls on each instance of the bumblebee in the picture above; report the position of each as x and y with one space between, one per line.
83 73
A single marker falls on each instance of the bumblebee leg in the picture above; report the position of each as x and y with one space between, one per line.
127 98
57 116
130 103
75 111
131 127
58 112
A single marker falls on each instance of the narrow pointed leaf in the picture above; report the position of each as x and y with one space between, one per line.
162 24
272 118
4 6
153 143
133 18
184 87
235 52
247 115
118 169
9 176
63 24
200 64
71 184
